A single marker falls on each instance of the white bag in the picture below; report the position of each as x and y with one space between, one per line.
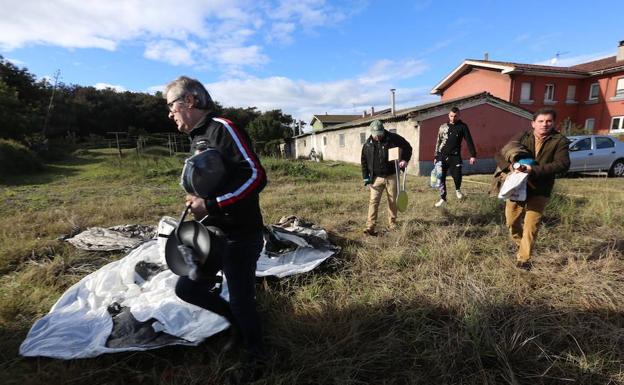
514 187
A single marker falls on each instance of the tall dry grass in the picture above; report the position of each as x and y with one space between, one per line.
436 301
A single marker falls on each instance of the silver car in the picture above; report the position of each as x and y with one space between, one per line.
591 153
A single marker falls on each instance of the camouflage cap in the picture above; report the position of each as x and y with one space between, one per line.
376 128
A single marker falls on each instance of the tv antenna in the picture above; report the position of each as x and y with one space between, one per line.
555 59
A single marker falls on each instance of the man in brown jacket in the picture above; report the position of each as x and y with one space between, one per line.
549 149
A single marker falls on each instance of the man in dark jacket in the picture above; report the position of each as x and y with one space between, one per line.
379 174
448 152
234 208
549 149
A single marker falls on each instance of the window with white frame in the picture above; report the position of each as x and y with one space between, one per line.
341 140
362 137
549 93
589 125
617 123
525 92
619 88
571 95
594 91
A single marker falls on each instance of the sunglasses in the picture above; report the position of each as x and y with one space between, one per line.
170 104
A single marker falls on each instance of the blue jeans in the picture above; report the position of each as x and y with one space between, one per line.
239 266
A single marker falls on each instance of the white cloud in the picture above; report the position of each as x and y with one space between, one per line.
302 98
16 62
309 13
281 33
238 56
153 89
384 70
170 52
103 86
216 32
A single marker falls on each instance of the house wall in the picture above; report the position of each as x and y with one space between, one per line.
317 125
566 109
352 149
490 127
577 111
303 146
479 80
607 105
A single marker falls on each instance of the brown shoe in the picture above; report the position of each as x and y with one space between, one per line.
524 265
370 232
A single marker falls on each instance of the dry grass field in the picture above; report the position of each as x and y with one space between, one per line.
436 301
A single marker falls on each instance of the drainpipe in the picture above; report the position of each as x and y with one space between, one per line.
392 106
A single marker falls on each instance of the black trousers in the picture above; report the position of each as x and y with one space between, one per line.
451 164
239 266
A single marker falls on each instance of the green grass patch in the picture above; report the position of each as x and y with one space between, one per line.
436 301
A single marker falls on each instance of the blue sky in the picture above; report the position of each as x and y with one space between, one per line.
303 56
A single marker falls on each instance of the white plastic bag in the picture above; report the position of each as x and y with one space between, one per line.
436 174
514 187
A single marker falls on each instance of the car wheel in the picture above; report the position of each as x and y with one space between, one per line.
617 169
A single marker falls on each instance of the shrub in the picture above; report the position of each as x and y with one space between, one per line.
295 169
58 148
15 158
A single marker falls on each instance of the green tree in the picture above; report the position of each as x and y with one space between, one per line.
268 129
13 122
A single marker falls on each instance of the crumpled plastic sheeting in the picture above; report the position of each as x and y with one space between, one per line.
310 246
79 324
123 237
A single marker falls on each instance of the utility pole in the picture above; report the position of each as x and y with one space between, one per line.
57 75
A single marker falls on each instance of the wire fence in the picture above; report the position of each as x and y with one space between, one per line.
161 144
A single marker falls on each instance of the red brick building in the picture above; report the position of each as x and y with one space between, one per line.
588 96
492 122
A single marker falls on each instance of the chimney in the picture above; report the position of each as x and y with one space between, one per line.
486 56
620 52
392 109
372 111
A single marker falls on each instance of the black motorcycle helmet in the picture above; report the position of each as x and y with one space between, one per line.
203 173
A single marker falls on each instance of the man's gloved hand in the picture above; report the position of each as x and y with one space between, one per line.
367 181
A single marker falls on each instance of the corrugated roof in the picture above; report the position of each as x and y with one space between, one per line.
531 67
325 119
599 65
360 121
580 70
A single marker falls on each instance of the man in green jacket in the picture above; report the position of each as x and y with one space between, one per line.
549 149
379 174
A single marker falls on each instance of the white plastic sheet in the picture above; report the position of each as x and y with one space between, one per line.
79 324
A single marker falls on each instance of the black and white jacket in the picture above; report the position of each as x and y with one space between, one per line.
449 141
236 204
